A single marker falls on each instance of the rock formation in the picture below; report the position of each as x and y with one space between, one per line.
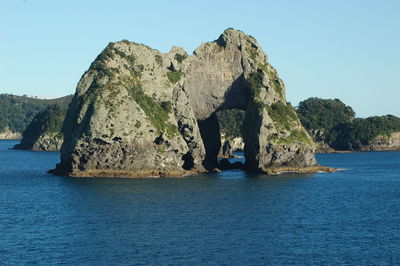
44 132
229 146
388 142
140 112
322 147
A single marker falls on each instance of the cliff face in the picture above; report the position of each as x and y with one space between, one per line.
44 132
140 112
389 142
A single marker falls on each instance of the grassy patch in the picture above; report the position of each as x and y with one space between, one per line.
157 115
264 67
282 114
156 112
296 136
252 53
174 76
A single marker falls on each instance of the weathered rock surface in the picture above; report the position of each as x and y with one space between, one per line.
322 147
229 146
389 142
44 132
8 134
140 112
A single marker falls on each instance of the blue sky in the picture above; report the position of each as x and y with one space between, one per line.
329 49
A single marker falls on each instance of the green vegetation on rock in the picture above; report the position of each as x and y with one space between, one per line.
275 82
109 53
157 112
277 86
180 57
174 76
252 53
99 63
255 84
282 114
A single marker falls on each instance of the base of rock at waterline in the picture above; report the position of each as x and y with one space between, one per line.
124 173
175 174
299 170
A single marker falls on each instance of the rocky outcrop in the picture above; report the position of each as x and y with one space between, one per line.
229 146
8 134
44 132
322 147
46 142
387 142
140 112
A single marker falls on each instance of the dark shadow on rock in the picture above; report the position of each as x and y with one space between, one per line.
209 131
225 164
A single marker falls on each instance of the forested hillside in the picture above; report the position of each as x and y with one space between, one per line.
16 112
320 116
361 131
333 122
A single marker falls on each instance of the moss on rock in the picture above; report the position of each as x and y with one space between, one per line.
174 76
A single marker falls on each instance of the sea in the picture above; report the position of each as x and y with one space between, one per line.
351 217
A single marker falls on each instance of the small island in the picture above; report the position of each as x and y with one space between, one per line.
139 112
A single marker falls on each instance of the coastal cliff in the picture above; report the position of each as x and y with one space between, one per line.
140 112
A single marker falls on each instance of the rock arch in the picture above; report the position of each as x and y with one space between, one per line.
140 112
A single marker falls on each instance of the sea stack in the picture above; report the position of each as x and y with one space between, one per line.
138 112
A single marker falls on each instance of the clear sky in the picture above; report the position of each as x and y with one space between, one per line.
344 49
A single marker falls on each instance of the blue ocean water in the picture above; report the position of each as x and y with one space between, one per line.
348 217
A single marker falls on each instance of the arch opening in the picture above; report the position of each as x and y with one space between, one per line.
231 153
223 125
